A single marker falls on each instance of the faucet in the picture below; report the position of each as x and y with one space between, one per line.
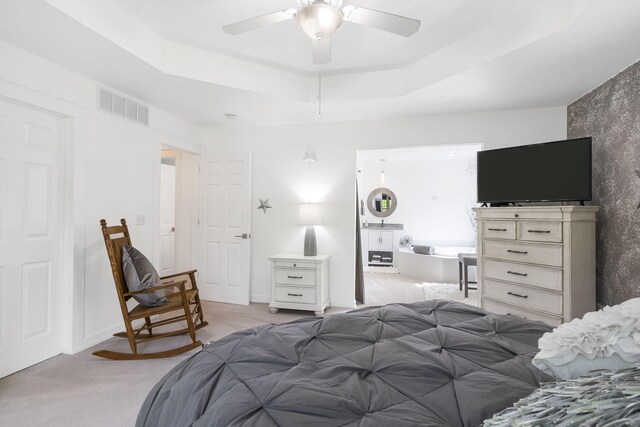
382 223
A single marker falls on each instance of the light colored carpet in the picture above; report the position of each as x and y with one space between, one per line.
450 291
84 390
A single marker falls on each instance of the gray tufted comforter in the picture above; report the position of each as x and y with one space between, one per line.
428 363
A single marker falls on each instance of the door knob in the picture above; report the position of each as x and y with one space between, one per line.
173 229
244 236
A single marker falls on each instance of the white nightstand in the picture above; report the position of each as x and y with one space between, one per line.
299 282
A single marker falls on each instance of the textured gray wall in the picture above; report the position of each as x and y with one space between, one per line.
611 115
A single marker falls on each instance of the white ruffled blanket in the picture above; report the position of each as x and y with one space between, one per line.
606 339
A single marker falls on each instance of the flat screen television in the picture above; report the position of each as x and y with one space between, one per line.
550 172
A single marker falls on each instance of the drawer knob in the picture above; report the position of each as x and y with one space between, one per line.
517 215
539 231
294 295
511 251
294 277
517 295
295 265
497 229
515 273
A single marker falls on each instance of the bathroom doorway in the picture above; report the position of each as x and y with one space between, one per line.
415 198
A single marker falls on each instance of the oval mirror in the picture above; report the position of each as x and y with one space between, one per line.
382 202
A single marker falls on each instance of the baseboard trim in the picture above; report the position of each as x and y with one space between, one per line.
262 299
104 335
96 338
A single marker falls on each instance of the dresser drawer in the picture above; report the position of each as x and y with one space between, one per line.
499 308
499 229
523 252
554 213
289 276
522 296
297 295
540 231
543 277
296 264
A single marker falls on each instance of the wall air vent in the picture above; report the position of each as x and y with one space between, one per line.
122 106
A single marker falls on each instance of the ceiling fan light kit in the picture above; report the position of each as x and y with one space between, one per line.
319 19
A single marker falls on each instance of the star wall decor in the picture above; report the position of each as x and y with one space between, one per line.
264 205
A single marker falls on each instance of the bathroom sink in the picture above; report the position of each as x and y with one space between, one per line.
385 226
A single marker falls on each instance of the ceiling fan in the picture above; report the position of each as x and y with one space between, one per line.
319 19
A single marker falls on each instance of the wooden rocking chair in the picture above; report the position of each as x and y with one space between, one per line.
186 300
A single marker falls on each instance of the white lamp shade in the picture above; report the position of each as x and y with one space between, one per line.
310 214
319 21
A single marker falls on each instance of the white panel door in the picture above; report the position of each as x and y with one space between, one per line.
167 219
225 225
30 237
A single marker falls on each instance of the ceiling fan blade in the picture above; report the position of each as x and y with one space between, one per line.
321 51
381 20
259 21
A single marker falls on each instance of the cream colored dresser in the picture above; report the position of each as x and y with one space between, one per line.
299 282
537 262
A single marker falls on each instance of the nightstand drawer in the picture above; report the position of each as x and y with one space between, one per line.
540 231
522 296
543 277
499 308
286 276
544 254
499 229
296 264
297 295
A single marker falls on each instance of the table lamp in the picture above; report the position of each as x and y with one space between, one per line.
310 214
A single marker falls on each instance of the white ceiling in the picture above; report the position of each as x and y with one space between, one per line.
467 56
199 23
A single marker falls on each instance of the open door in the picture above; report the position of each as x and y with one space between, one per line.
225 227
167 216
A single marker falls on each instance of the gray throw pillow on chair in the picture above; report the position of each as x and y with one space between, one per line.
140 274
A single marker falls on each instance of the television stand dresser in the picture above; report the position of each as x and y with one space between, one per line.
537 262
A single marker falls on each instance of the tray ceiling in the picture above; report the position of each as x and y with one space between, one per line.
467 56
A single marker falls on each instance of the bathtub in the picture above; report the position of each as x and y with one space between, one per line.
441 267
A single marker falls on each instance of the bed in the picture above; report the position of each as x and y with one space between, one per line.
428 363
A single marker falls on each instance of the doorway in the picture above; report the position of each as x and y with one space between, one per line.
205 221
167 215
412 200
31 236
178 211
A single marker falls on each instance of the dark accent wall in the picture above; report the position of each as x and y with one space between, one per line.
611 115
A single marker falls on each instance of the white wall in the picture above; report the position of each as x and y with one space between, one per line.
434 196
116 166
279 174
